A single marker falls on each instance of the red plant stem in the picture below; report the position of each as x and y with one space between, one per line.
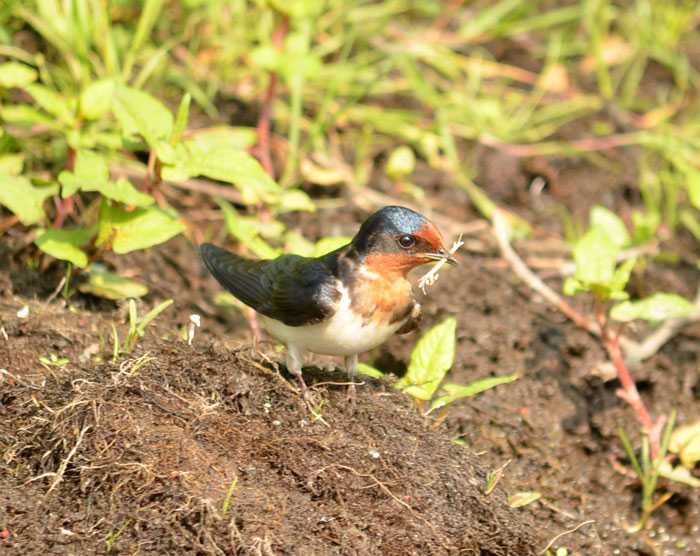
629 392
65 207
263 127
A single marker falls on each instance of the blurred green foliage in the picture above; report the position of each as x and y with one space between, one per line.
101 100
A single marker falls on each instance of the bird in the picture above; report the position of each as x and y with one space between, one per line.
343 303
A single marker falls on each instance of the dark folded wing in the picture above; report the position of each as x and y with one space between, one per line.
292 289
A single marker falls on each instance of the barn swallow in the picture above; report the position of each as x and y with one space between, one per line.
343 303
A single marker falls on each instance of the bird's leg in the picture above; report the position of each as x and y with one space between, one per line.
295 360
351 368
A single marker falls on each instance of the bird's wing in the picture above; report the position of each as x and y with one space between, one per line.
292 289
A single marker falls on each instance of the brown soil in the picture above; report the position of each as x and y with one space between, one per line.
143 453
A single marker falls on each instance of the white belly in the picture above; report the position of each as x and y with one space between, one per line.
343 334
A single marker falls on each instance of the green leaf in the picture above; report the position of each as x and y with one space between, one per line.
595 255
607 221
520 499
14 74
295 200
107 285
454 392
183 115
140 113
620 278
123 191
242 170
65 244
246 232
24 199
90 174
368 370
692 177
224 137
11 164
327 244
685 441
655 308
52 102
430 360
25 115
96 99
142 228
401 163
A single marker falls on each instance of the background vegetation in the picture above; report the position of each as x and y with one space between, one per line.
114 113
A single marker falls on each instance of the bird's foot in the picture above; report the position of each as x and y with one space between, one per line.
351 397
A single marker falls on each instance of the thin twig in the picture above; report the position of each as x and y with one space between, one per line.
534 281
564 533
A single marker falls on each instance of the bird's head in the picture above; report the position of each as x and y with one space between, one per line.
395 240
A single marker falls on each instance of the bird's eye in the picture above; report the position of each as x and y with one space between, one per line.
407 241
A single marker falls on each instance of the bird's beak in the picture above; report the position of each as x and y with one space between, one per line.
441 255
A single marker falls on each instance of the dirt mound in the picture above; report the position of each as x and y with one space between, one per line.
181 450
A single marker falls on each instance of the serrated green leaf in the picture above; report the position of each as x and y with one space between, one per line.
65 244
24 199
595 255
14 74
454 392
430 360
655 308
610 223
142 114
96 99
111 286
138 229
53 102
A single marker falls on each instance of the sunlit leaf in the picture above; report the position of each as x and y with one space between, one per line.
11 164
142 114
454 392
226 137
25 200
14 74
96 99
401 163
107 285
52 102
430 360
128 231
595 256
295 200
610 223
520 499
123 191
327 244
685 441
246 232
368 370
65 244
655 308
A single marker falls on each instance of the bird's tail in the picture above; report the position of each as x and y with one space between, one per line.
238 275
